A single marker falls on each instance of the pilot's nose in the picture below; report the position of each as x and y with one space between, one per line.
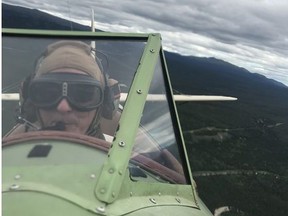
64 106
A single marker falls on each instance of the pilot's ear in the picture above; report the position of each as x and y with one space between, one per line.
112 98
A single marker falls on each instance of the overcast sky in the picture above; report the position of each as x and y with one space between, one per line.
248 33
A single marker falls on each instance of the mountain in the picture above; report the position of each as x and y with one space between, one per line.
20 17
241 144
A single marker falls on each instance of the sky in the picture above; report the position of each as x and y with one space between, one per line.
252 34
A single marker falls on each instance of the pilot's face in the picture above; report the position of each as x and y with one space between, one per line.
74 121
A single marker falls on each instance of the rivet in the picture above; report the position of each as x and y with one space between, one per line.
113 194
17 177
111 170
159 194
153 200
152 51
100 209
121 144
131 194
120 172
14 187
92 176
139 91
102 191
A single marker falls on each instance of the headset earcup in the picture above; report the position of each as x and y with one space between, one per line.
111 99
27 109
108 105
24 88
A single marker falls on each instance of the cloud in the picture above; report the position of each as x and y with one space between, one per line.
251 34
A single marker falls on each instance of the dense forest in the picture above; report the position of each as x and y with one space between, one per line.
238 150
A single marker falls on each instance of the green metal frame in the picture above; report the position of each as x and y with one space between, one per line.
112 176
71 34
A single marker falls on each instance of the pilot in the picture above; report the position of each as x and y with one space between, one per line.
68 91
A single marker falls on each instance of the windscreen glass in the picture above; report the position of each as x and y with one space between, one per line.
155 155
117 60
156 146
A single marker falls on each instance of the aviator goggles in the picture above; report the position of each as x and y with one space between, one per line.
84 93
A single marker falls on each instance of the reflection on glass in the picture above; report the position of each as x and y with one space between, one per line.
156 137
